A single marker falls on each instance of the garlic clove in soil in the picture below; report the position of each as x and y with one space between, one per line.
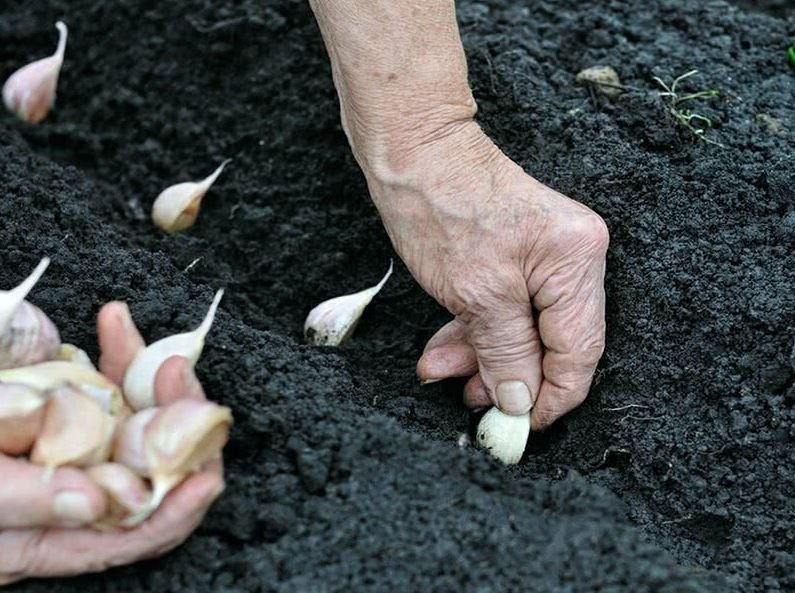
29 92
333 321
129 448
21 417
139 380
27 335
76 431
71 353
54 374
127 493
503 435
177 207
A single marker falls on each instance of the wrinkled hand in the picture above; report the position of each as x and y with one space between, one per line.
520 265
40 522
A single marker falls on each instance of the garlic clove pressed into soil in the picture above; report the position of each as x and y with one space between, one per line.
504 436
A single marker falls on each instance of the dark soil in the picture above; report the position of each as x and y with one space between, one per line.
344 474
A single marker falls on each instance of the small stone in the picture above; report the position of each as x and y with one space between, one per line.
603 79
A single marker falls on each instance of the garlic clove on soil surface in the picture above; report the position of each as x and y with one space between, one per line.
177 207
21 416
127 493
139 380
503 435
29 93
76 431
129 448
27 335
333 321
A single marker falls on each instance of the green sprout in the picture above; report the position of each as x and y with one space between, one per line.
791 54
691 120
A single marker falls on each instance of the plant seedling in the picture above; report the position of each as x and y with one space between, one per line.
691 120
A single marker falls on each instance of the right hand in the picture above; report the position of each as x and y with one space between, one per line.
44 526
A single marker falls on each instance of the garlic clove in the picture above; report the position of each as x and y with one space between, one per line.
10 300
503 435
29 92
177 207
129 447
21 416
333 321
54 374
75 432
180 439
139 380
127 493
71 353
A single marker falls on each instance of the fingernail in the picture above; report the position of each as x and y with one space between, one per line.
513 397
73 508
429 381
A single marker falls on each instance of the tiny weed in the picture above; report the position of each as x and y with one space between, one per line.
677 102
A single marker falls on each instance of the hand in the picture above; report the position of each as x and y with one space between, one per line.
41 533
519 265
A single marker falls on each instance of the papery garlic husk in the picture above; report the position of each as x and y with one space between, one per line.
51 375
27 335
29 92
21 416
139 380
127 493
129 447
177 207
333 321
503 435
76 431
71 353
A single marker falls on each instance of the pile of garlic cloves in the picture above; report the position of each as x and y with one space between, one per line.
57 410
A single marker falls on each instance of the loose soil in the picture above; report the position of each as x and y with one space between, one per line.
344 474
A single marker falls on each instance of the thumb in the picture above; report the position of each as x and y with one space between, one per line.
68 498
508 349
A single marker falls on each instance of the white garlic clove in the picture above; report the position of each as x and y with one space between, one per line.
75 432
127 493
139 380
177 207
10 300
503 435
51 375
129 448
21 417
29 92
333 321
71 353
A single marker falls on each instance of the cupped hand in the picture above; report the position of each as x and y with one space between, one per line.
520 265
44 525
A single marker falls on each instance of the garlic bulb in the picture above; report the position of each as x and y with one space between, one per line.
27 335
177 207
503 435
127 493
75 432
21 416
29 92
51 375
333 321
129 449
139 380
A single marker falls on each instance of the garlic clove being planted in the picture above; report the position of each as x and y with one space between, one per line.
21 416
29 92
127 493
333 321
139 380
129 448
503 435
51 375
177 207
75 432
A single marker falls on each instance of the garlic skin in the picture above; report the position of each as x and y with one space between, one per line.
21 418
127 493
139 380
27 335
29 93
55 374
129 448
333 321
177 207
75 432
503 435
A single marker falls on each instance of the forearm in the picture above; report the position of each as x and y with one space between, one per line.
400 72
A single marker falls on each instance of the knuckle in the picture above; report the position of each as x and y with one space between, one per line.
589 231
